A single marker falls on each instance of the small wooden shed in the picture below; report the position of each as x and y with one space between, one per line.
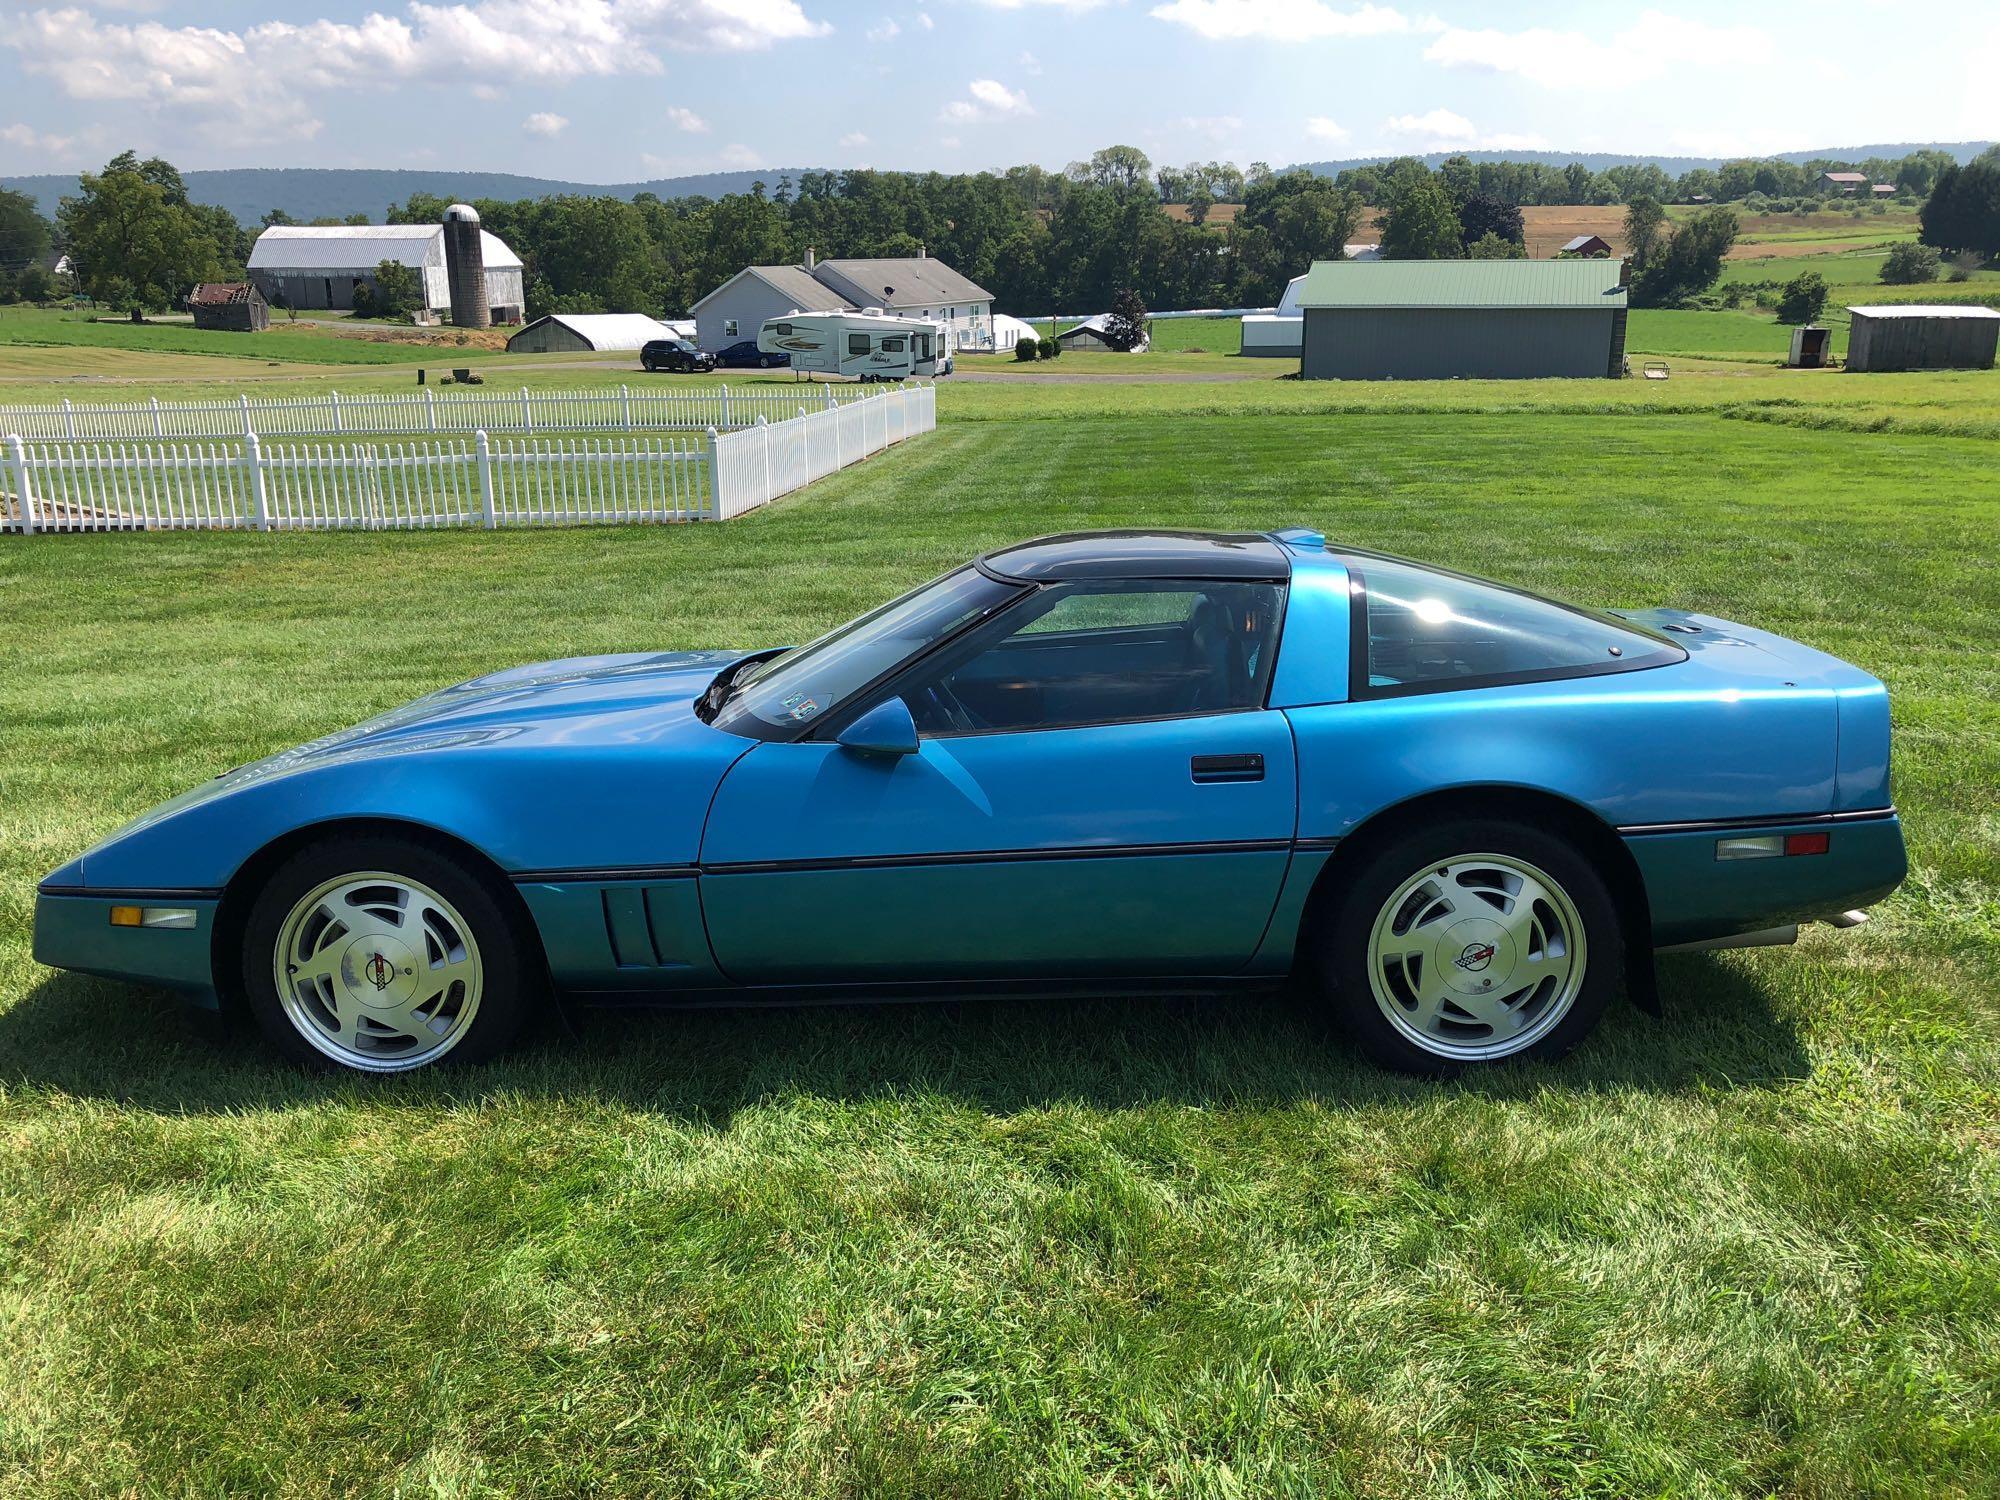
231 306
1917 337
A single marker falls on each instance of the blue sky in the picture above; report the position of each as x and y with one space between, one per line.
613 90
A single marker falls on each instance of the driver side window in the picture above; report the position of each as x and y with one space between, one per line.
1104 652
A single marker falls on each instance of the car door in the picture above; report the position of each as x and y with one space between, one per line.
1096 791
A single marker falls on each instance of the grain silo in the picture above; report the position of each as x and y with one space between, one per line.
465 267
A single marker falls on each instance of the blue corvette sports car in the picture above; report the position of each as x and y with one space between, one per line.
1113 761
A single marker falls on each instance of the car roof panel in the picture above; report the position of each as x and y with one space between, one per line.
1241 555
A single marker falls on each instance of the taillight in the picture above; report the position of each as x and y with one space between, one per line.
1772 845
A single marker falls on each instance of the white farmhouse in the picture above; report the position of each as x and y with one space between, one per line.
917 286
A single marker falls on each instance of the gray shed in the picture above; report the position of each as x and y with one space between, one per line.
578 333
1475 319
1917 337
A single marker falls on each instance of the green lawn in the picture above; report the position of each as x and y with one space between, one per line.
281 342
1184 1247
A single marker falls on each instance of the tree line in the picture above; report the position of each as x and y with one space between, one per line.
1040 240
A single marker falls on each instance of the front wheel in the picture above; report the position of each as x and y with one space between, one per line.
384 955
1471 944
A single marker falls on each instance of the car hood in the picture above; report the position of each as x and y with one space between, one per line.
596 760
577 700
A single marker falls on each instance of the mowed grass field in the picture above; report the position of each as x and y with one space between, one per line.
1181 1247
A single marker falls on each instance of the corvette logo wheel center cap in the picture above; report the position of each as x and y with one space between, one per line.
379 971
1476 956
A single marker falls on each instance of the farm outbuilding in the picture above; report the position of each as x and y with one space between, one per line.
585 333
1009 331
309 267
1089 334
232 306
1476 319
1592 246
1916 337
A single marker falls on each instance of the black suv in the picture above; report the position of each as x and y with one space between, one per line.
677 355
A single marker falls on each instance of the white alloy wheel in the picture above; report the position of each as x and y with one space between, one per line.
378 971
1476 957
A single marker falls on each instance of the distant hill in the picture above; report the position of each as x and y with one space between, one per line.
1598 161
308 193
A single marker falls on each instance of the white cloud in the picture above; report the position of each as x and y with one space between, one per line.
1028 63
950 142
1442 130
991 100
741 156
1438 125
1650 47
888 31
1044 4
27 138
226 80
1320 128
542 122
852 139
1281 20
1212 127
686 119
924 20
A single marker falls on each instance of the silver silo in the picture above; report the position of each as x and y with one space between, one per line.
465 267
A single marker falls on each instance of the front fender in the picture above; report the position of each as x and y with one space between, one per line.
533 808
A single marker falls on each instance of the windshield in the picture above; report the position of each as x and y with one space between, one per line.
784 694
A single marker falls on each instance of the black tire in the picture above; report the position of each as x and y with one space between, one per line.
1339 949
512 979
649 366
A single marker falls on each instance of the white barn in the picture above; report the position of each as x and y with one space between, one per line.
319 266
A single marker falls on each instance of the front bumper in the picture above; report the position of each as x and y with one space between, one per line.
74 931
1695 896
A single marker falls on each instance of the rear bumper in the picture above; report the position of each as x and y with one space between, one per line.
1695 896
75 932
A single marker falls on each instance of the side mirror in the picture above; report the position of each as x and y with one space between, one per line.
886 729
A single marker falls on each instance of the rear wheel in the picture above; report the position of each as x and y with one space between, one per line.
650 367
1471 944
384 955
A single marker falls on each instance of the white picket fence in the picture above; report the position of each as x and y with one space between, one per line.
427 483
430 413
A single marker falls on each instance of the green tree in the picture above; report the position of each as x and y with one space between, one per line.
24 233
1803 299
135 243
1420 223
1490 246
1963 211
1687 262
1286 224
396 291
1910 265
1125 328
1483 215
1121 167
1645 225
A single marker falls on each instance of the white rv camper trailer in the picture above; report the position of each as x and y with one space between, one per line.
867 345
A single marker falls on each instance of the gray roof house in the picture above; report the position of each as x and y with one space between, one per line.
908 286
735 310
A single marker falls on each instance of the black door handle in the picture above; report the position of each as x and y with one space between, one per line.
1211 768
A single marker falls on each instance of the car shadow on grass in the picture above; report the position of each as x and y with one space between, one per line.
91 1038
